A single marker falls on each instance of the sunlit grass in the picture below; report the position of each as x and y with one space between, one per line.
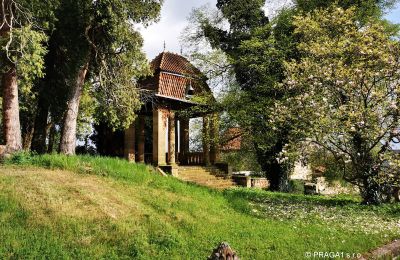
55 206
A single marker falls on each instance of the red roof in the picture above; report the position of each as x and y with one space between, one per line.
173 74
171 85
232 139
174 63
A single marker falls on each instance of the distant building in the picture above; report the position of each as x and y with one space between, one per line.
231 140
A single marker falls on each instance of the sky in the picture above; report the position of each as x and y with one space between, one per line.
173 20
393 15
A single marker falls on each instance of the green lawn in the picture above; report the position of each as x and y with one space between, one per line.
57 207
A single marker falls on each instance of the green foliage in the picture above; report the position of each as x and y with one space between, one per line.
43 12
243 160
87 109
101 35
257 50
243 15
28 55
118 61
364 9
322 158
20 158
248 99
347 86
296 186
167 218
24 43
24 48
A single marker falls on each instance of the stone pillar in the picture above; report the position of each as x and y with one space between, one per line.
141 138
159 126
206 140
171 138
176 140
129 143
184 139
214 139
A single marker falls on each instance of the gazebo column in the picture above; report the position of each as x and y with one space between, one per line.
184 140
206 140
171 143
214 138
171 138
141 138
159 126
176 141
129 143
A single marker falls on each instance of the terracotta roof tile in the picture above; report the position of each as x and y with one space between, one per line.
171 85
174 63
172 76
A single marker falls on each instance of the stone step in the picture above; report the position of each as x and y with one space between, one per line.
212 184
203 173
198 168
205 176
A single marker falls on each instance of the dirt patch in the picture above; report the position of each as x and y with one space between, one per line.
389 251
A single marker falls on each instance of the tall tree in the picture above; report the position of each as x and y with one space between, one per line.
96 40
21 61
348 85
257 50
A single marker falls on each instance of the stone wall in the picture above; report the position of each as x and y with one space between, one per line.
251 182
301 172
262 183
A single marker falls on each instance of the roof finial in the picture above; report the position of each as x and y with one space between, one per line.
181 50
164 45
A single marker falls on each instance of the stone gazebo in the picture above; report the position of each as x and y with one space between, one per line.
166 137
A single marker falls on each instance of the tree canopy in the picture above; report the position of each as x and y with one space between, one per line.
347 85
258 49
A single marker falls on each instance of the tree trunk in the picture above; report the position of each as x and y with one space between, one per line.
27 136
277 173
374 189
52 136
11 122
40 133
68 135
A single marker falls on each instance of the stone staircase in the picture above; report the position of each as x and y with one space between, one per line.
206 176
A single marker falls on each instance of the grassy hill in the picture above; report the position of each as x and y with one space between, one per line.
59 207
